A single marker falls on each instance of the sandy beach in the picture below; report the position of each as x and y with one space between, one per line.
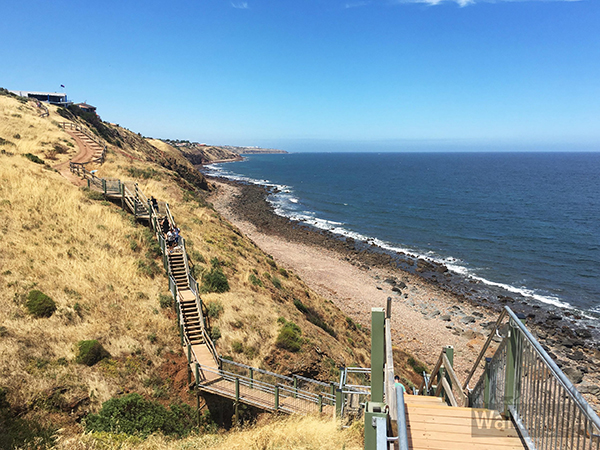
425 318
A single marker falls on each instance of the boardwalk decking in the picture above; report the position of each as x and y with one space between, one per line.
433 425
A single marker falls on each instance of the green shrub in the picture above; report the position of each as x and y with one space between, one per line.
237 346
148 268
284 273
134 415
271 262
165 301
90 352
5 142
154 250
300 306
255 280
417 366
215 333
31 157
93 195
39 304
276 282
289 337
215 281
214 309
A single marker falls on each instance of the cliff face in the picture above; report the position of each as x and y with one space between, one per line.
208 154
200 154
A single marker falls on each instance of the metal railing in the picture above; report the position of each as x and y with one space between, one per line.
295 382
256 392
523 381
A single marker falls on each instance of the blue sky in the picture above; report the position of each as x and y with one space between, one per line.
277 73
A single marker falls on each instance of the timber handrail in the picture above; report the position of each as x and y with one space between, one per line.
484 349
444 370
91 136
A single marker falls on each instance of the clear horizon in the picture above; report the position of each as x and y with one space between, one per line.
420 73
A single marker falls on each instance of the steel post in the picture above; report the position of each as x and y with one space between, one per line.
377 353
486 383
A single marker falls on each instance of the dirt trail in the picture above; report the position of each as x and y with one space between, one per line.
85 155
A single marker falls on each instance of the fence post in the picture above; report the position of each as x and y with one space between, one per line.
377 353
295 387
339 400
513 360
196 374
180 332
251 377
122 187
486 383
320 403
104 185
276 397
237 389
189 370
449 350
332 388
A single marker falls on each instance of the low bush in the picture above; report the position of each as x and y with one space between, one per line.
36 159
93 195
165 301
134 415
300 306
255 280
215 333
39 304
214 309
91 352
215 281
237 346
289 337
417 366
148 268
276 282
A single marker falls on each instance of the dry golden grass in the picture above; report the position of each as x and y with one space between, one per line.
80 253
36 135
295 432
84 254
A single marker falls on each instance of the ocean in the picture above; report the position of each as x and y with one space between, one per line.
527 224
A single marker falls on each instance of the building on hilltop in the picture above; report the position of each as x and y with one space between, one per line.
54 98
85 107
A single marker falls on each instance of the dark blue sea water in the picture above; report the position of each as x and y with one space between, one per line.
525 222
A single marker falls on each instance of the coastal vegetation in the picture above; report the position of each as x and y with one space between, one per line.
86 316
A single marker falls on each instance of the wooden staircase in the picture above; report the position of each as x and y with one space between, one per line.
433 425
96 148
192 319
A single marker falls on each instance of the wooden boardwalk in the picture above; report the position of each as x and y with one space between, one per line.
433 425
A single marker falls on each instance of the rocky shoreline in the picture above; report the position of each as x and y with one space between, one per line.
561 332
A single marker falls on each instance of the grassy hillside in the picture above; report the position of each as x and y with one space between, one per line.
104 274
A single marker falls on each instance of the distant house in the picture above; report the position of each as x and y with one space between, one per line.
54 98
86 107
